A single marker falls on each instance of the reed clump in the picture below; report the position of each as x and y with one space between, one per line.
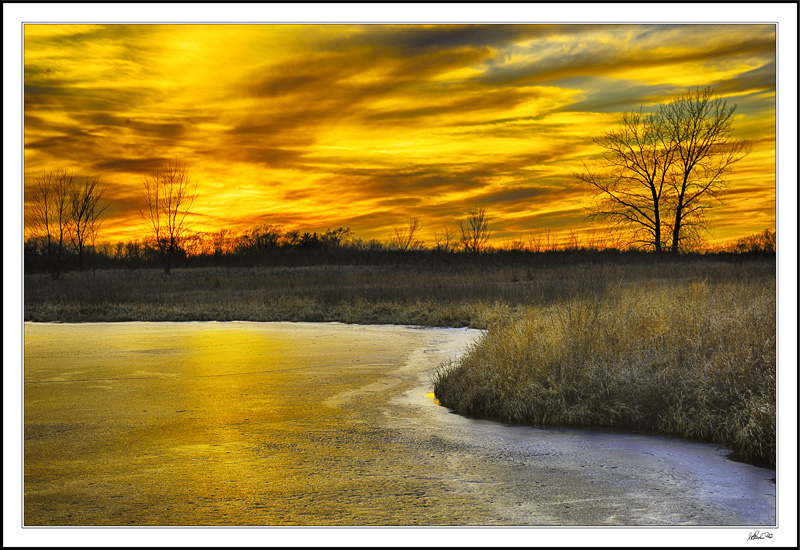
693 360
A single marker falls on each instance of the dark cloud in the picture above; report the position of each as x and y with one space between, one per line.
280 84
108 119
603 96
67 145
123 202
417 183
330 75
130 165
171 131
35 122
297 194
492 100
761 79
603 60
516 195
413 182
273 157
87 97
314 75
416 37
326 89
413 38
275 127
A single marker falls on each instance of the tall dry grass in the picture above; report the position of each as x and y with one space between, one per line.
694 360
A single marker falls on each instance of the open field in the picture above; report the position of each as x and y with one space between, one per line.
462 291
684 347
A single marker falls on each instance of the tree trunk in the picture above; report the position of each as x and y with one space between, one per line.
676 229
657 224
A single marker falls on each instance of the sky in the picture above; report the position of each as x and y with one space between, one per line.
365 126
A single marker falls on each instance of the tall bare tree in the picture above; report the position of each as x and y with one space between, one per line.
699 127
474 230
406 237
168 196
630 178
660 172
85 213
51 214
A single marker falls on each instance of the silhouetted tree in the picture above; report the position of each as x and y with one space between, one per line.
757 243
335 238
261 237
699 128
168 196
222 243
474 230
405 237
309 240
660 171
446 240
292 238
51 214
631 176
193 244
85 214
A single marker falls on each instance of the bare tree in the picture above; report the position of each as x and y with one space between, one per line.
336 238
168 196
659 171
699 127
405 238
85 213
474 230
630 178
446 240
51 214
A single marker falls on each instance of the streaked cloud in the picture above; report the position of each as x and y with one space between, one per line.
364 126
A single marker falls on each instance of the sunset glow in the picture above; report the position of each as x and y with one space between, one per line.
365 126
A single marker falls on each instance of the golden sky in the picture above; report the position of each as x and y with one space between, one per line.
364 126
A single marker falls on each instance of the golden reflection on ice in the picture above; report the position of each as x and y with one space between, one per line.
432 395
301 424
206 423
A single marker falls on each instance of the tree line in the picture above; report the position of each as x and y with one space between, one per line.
657 175
65 213
272 245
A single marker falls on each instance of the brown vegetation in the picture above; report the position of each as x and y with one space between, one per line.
687 358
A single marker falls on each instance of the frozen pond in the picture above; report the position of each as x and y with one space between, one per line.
326 424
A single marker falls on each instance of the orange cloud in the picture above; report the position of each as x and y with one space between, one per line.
364 126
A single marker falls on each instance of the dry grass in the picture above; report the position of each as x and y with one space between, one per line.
431 294
691 360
